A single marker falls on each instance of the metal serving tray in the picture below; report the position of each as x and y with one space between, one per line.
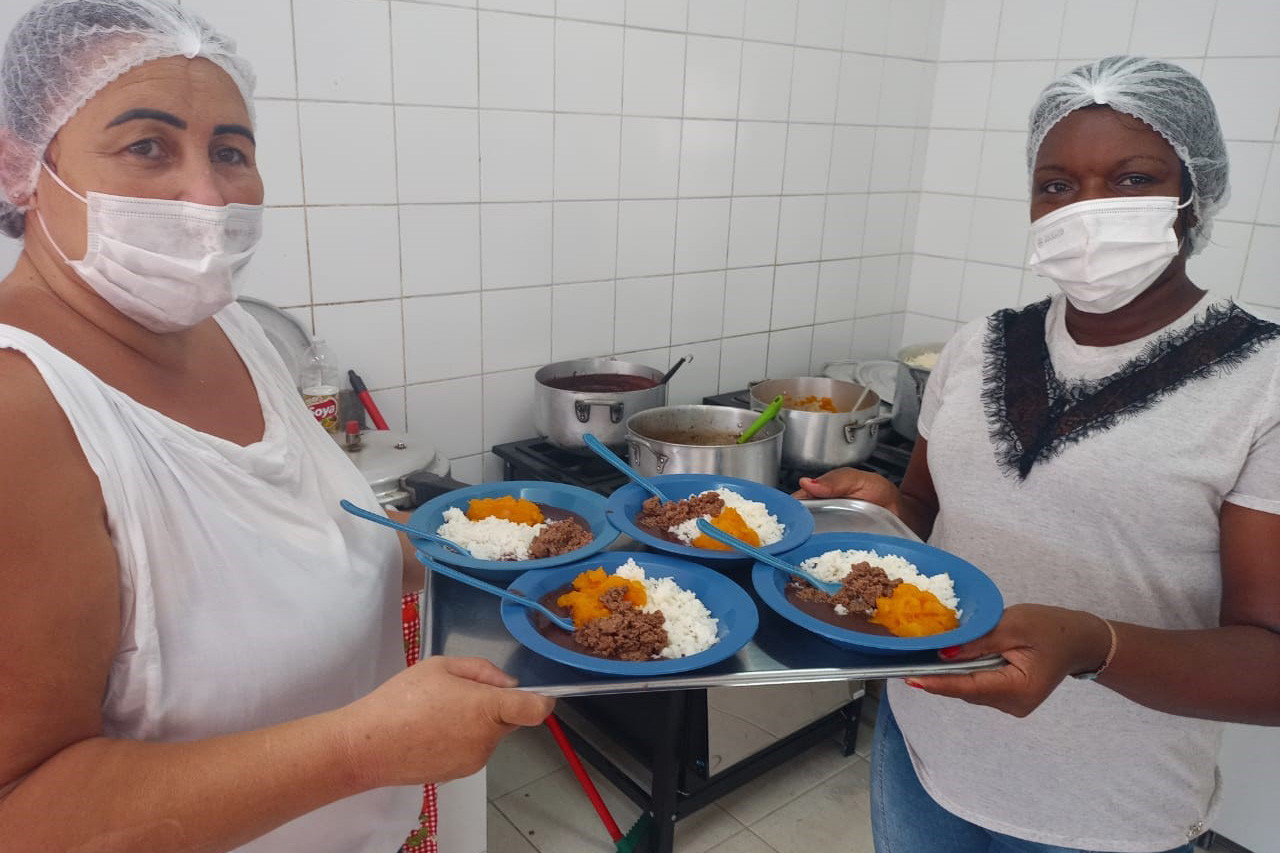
459 620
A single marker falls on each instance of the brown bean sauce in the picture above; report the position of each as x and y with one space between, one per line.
550 514
828 614
559 636
697 437
601 383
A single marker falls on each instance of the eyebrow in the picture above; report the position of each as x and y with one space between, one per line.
1054 167
240 129
157 115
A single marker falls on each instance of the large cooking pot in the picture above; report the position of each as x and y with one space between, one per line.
820 441
701 440
565 414
909 390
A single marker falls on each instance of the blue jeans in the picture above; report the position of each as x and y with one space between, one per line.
905 819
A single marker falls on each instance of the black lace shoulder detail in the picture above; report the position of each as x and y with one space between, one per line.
1033 415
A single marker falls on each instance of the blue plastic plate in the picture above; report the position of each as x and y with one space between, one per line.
585 503
727 602
624 505
981 604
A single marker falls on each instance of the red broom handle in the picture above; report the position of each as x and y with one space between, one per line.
584 779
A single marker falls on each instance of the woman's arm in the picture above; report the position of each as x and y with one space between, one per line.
916 502
1225 673
414 573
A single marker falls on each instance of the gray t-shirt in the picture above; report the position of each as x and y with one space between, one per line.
1123 524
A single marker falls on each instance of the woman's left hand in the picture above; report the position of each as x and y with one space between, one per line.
1041 645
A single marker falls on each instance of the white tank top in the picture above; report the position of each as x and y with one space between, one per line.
247 596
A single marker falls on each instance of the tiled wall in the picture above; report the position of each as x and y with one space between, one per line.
994 57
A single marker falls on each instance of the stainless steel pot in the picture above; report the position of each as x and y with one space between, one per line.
909 390
564 416
654 440
820 441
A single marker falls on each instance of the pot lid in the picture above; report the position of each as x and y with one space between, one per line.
385 456
285 332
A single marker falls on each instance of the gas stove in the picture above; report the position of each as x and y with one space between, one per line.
539 459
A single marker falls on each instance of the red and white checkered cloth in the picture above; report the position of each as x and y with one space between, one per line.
422 839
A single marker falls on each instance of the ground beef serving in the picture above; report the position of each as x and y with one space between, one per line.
859 589
559 537
662 515
627 633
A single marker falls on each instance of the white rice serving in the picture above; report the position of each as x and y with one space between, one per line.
834 565
690 626
754 513
489 538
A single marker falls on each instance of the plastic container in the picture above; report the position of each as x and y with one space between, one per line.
318 380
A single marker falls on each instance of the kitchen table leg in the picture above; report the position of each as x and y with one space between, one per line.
667 759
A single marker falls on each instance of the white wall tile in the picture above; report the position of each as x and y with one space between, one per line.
711 77
443 340
586 156
748 300
885 215
1002 171
943 225
766 81
328 69
366 337
789 352
508 408
1248 176
914 29
517 61
717 17
851 153
278 152
815 77
759 158
1269 206
960 97
808 158
706 157
858 99
355 253
658 14
1263 269
653 73
771 20
263 32
702 233
449 415
650 157
1247 95
586 240
837 290
581 320
999 233
516 328
906 92
515 245
642 313
986 288
871 338
1014 89
795 294
646 237
866 26
800 228
1245 28
516 158
891 159
435 55
969 29
843 226
951 165
698 376
935 286
753 231
528 7
742 360
1220 265
440 248
1171 27
831 342
919 329
278 272
588 67
699 315
820 23
330 132
390 402
1030 29
1083 38
610 11
437 154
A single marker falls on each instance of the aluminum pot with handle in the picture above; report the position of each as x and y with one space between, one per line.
820 441
701 440
909 390
564 415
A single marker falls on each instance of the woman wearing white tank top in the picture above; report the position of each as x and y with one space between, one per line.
202 652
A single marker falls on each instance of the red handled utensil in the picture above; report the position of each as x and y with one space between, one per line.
357 385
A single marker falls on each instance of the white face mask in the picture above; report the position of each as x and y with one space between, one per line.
1102 253
166 264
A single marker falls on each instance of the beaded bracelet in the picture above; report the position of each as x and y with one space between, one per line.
1106 662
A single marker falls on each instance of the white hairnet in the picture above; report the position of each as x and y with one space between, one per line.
62 52
1165 96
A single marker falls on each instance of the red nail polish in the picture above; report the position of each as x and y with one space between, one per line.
914 684
949 652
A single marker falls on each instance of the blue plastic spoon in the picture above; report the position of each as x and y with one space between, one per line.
738 545
613 459
557 620
403 528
